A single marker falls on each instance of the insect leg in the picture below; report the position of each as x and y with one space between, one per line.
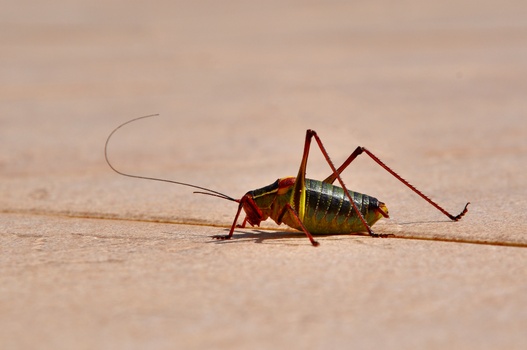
359 150
243 224
231 231
299 189
288 208
331 178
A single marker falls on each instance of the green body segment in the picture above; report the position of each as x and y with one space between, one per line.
327 210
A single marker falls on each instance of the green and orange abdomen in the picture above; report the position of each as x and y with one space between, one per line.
326 208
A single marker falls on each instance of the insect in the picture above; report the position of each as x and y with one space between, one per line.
311 206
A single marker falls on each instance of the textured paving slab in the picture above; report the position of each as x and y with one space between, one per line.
436 91
83 283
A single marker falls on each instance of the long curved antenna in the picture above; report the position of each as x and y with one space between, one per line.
212 192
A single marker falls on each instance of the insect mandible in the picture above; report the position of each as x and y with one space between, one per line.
312 206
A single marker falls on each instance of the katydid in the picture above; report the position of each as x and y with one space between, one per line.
312 206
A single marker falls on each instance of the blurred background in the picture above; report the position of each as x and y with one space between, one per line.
430 85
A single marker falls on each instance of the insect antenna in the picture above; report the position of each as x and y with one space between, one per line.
207 190
219 195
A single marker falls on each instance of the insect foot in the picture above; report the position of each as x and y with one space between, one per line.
381 235
460 215
222 237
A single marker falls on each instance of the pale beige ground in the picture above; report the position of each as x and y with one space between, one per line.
90 259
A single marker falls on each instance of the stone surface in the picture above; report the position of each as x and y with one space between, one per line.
91 259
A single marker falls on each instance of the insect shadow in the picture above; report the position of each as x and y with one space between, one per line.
259 236
421 222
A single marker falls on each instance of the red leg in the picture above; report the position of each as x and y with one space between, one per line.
244 223
301 176
231 231
331 178
359 150
288 208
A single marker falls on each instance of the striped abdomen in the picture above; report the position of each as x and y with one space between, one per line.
328 209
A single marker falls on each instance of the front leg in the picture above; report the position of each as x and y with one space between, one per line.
231 231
